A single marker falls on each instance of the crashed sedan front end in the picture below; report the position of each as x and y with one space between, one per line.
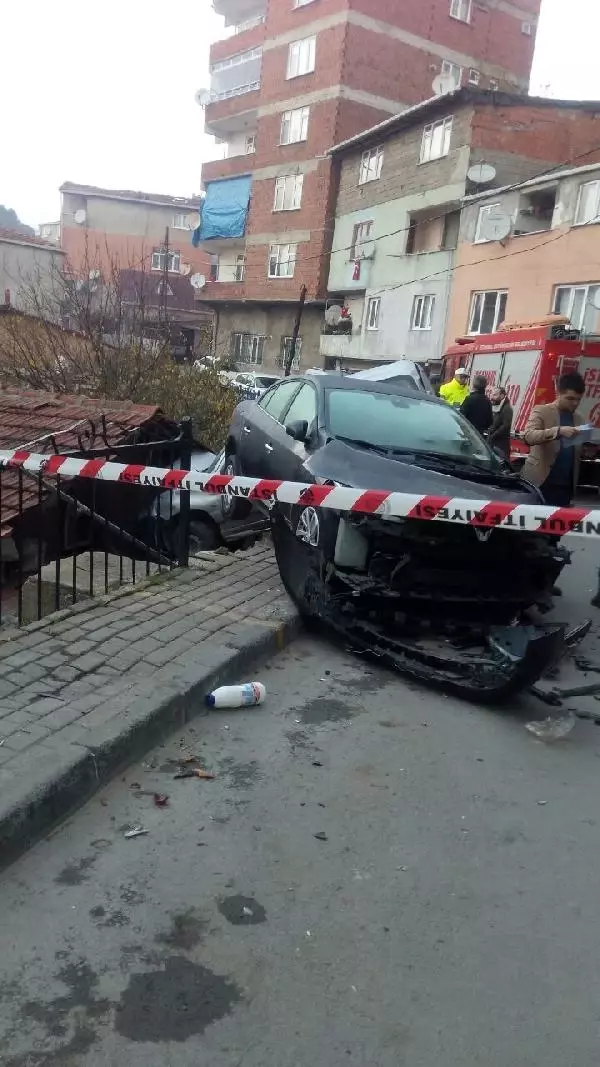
447 603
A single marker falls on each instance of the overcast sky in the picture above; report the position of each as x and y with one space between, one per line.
104 93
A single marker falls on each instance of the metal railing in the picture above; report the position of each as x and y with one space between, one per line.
67 539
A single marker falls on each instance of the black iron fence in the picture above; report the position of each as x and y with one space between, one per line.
66 539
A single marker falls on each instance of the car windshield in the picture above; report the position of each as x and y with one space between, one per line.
386 421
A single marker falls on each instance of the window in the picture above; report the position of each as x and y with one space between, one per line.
411 423
240 268
484 212
588 205
282 261
488 310
288 192
302 3
494 85
303 407
536 211
158 260
432 233
373 308
422 312
436 140
250 145
461 9
294 125
286 348
578 303
278 398
213 269
301 57
247 348
527 29
474 76
180 221
370 165
453 72
362 235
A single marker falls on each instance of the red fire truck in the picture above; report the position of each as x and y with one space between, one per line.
528 359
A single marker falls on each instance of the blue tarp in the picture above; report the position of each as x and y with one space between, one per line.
224 209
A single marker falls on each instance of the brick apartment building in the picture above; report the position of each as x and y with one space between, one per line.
394 263
296 77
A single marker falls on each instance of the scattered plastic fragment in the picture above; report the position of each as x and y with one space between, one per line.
196 772
136 832
135 785
552 729
237 696
161 800
317 763
2 741
247 912
542 803
321 836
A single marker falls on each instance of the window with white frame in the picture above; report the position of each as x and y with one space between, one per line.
577 302
484 213
371 164
588 204
362 238
436 140
286 350
301 57
453 73
422 312
240 267
302 3
159 257
474 76
373 309
282 261
247 348
461 10
488 310
294 125
288 192
180 221
250 144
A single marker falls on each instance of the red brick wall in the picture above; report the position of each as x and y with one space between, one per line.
240 42
328 68
283 17
86 247
544 133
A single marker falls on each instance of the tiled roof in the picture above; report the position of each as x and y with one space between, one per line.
27 239
131 194
30 420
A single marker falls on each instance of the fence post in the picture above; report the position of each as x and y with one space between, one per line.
183 546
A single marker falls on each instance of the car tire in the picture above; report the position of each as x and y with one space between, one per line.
204 536
300 566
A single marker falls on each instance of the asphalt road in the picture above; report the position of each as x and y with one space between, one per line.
449 915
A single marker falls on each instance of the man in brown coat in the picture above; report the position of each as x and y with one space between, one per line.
553 462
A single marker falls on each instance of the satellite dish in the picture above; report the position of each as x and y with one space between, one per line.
193 220
333 315
496 226
80 216
204 97
198 281
481 173
444 83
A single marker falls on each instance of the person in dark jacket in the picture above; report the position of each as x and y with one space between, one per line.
477 408
499 435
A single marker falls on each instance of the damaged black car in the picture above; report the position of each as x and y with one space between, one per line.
450 603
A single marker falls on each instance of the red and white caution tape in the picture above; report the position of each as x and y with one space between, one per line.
487 514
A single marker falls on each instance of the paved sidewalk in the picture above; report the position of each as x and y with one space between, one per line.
85 691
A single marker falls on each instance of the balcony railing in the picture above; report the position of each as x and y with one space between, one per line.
249 24
238 90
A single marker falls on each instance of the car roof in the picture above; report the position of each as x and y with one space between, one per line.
387 370
352 383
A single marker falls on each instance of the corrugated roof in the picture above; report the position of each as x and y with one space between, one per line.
15 236
31 419
132 194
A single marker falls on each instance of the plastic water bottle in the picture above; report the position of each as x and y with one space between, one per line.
237 696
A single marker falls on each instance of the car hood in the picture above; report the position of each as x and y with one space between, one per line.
357 467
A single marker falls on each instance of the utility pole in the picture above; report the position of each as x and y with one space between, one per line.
292 354
165 292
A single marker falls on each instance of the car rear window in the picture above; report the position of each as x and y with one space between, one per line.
405 423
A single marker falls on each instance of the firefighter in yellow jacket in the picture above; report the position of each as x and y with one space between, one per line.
457 390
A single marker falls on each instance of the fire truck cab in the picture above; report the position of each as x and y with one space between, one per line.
527 359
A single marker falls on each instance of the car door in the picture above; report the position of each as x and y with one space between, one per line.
261 428
287 461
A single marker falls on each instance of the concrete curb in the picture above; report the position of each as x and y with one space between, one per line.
140 719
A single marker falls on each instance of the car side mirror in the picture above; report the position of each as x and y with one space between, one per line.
297 430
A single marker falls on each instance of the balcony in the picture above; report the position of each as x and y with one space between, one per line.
221 292
250 35
343 346
238 12
229 167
